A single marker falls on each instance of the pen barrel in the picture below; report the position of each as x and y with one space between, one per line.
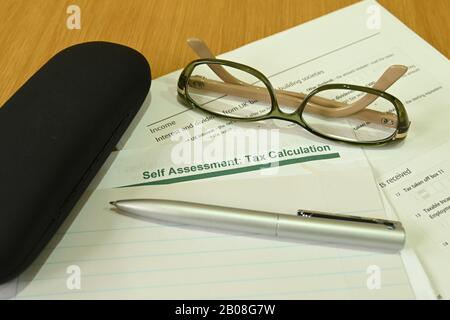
341 232
337 230
228 219
205 216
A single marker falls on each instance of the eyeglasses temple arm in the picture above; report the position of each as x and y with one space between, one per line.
260 93
387 79
202 50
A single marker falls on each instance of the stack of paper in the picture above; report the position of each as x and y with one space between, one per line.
99 254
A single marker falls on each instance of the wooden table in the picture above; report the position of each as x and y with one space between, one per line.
34 30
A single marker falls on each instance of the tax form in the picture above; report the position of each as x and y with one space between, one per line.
419 191
119 257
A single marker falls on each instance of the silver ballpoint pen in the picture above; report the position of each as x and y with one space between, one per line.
353 231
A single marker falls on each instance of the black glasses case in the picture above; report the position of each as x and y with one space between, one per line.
56 131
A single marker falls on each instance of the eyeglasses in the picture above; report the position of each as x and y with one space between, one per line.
341 112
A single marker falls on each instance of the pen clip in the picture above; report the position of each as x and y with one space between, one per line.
392 225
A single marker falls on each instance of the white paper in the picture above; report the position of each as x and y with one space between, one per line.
420 193
116 256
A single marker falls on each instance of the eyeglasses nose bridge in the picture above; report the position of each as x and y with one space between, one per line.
294 117
289 100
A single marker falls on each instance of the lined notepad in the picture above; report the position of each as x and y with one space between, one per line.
121 257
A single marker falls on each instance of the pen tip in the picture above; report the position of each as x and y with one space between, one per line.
113 203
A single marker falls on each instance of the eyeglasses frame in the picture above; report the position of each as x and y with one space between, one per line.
400 133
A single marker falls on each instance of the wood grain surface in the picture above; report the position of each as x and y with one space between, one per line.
32 31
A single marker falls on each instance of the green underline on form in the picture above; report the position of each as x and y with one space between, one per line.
238 170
